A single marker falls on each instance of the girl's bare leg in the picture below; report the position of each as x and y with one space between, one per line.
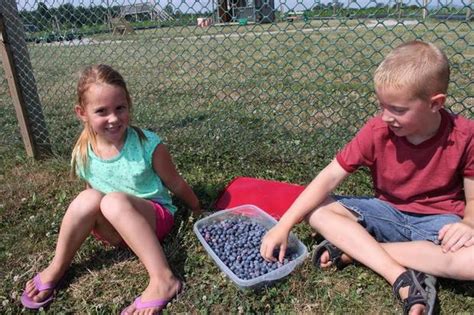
80 218
135 220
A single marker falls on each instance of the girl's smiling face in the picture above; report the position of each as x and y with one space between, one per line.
106 110
410 117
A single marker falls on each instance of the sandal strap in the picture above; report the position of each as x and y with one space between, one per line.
402 281
335 254
421 290
412 300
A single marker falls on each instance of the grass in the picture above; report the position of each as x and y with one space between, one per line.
268 101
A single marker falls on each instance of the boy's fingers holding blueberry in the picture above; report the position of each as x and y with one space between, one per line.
266 249
282 252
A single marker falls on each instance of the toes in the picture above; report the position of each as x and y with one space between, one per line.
30 289
324 260
129 310
417 309
34 294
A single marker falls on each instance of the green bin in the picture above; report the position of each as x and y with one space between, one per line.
243 21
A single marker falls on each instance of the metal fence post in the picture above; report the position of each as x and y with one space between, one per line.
21 81
469 11
425 9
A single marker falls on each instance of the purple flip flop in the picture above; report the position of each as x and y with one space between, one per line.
159 303
40 286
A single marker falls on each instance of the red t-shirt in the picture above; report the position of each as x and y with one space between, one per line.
426 178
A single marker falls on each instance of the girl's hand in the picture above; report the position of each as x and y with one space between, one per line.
276 237
456 235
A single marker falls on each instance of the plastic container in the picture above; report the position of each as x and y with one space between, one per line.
254 214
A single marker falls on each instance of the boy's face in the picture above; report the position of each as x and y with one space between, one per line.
408 116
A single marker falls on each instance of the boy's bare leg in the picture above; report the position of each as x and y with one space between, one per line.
135 220
429 258
76 225
339 226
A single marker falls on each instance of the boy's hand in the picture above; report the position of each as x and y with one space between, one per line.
276 237
456 235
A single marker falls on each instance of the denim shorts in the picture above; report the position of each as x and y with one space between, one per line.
388 224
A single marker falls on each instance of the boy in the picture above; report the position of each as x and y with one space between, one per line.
421 159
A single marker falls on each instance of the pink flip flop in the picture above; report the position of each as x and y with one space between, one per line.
40 286
159 303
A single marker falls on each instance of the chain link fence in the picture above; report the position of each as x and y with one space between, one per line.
266 81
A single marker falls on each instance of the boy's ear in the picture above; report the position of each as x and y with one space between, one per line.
438 101
80 113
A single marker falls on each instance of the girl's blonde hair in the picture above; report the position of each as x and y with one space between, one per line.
420 67
95 74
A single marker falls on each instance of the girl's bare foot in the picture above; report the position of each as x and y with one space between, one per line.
48 275
158 293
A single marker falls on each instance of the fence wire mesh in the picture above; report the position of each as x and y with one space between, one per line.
274 81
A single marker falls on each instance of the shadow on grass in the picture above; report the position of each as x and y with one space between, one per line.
101 258
465 288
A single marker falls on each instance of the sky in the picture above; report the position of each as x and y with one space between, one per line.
196 6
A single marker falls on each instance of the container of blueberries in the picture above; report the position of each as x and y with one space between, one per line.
232 238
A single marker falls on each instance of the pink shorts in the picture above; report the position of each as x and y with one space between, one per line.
164 224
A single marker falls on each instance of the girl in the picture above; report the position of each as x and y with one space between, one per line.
126 201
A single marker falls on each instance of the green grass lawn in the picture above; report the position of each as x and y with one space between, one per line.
268 101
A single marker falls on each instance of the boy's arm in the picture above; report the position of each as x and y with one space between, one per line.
313 195
469 193
166 170
454 236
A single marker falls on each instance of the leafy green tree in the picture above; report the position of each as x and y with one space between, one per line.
42 16
66 14
169 9
43 10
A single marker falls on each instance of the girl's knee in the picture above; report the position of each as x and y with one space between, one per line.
86 203
112 203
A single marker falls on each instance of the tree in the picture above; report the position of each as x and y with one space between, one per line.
66 14
169 9
42 16
43 9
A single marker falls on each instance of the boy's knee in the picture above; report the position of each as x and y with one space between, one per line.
456 264
326 212
320 215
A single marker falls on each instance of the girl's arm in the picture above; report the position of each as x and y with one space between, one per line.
166 170
313 195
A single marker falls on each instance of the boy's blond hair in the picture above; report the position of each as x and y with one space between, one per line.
416 66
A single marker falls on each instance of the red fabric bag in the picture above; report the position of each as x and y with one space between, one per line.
271 196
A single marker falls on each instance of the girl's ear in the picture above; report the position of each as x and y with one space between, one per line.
80 113
438 101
